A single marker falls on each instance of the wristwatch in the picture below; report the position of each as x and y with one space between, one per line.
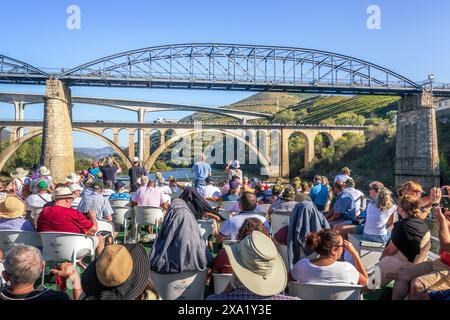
435 204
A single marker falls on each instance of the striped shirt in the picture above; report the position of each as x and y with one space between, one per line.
96 202
243 293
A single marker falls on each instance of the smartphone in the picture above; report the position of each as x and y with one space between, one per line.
445 201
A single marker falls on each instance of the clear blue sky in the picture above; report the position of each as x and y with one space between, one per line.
413 39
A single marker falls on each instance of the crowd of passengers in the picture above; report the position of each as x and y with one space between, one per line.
321 217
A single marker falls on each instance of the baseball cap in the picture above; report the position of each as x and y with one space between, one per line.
42 184
118 185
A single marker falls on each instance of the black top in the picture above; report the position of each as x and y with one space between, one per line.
135 173
407 236
38 294
109 173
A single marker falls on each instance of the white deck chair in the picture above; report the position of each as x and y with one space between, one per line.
283 251
120 218
187 285
278 221
62 246
213 204
120 202
324 291
206 229
147 216
221 281
10 237
34 215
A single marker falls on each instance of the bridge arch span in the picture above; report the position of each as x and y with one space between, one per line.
176 137
13 147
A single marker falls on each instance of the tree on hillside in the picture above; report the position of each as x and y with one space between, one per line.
286 116
26 156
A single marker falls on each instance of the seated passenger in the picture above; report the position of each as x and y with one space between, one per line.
259 272
327 268
230 228
417 279
60 217
120 193
221 264
304 220
179 246
23 267
285 204
12 214
409 243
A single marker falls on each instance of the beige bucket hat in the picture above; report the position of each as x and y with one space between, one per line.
73 178
257 264
19 173
12 207
43 171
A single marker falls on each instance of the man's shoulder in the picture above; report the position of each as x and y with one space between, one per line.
38 294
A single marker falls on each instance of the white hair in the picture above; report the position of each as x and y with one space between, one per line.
23 264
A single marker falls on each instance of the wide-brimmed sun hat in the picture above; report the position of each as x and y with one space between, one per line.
136 159
12 207
120 272
19 173
62 193
257 264
43 171
76 187
235 164
73 178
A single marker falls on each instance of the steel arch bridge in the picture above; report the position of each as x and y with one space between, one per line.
230 67
15 71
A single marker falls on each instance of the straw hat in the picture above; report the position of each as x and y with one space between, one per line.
11 208
62 193
257 264
120 272
43 171
19 173
73 178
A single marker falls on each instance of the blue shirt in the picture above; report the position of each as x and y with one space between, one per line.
120 196
201 170
229 197
94 171
345 205
319 194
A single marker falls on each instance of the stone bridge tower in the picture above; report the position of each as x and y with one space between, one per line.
416 155
57 146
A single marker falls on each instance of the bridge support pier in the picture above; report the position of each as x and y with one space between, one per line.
417 156
57 146
19 107
131 144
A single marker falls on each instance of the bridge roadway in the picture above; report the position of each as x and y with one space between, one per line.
181 125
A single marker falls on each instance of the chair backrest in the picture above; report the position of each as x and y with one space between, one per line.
187 285
323 291
34 215
60 246
2 280
221 281
228 204
225 214
121 213
374 280
120 202
265 207
279 221
230 242
104 225
148 215
10 237
206 228
283 251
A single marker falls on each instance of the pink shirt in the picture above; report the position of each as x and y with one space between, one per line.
148 196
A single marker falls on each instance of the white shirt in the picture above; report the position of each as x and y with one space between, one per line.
337 273
342 177
107 192
211 191
376 220
35 200
357 197
76 202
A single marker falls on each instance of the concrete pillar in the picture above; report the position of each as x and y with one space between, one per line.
416 156
141 134
309 150
12 135
131 144
285 153
116 136
19 107
57 146
243 121
162 137
147 145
